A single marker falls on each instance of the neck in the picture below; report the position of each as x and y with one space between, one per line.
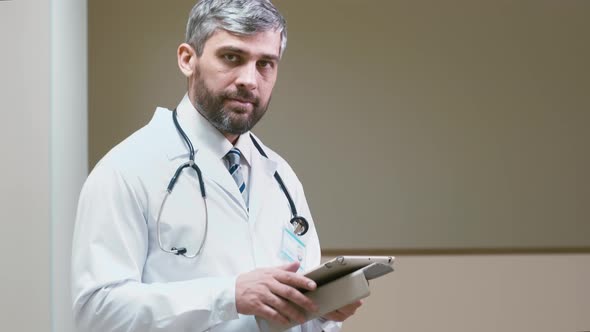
232 138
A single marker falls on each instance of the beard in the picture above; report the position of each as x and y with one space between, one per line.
233 120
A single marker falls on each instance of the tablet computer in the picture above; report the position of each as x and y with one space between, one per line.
343 265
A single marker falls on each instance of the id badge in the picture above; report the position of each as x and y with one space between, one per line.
292 248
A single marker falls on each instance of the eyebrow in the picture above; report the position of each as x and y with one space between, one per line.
240 51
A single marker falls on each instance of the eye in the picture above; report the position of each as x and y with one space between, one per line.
264 64
232 58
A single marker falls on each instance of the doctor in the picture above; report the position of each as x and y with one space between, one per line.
215 247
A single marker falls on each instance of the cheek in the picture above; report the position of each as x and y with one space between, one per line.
265 87
217 79
217 87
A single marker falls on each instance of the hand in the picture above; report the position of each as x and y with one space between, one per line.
272 293
343 313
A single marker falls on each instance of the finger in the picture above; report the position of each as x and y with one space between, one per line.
271 314
344 312
295 280
293 295
336 316
285 308
350 309
291 267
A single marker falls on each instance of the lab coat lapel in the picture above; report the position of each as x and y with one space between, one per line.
215 170
210 147
261 181
211 167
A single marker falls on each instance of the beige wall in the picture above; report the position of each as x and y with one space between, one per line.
483 293
453 123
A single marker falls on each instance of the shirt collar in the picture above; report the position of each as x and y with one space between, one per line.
244 144
205 136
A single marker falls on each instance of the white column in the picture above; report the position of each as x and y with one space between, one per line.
69 144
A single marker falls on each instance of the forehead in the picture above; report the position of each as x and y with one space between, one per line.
261 43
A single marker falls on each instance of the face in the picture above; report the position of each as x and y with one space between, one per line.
231 82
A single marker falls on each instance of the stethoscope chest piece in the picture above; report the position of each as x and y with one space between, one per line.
300 225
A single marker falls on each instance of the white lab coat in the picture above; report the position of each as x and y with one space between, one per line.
122 281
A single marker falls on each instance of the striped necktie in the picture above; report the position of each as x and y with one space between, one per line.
233 160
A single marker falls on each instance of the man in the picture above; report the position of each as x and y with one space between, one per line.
207 256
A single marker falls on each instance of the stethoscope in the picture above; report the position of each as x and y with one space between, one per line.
299 223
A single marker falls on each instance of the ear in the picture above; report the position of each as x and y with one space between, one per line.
187 59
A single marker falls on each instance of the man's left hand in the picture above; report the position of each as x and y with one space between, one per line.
343 313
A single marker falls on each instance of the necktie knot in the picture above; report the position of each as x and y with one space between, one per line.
233 159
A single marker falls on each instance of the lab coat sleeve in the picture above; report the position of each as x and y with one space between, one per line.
109 250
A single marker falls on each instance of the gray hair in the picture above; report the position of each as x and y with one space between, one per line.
242 17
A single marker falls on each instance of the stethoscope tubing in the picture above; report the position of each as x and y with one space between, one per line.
300 224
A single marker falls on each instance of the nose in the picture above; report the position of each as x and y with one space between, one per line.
247 77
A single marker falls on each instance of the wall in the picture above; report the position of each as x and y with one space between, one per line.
483 293
455 124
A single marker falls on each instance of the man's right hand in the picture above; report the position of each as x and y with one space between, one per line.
271 292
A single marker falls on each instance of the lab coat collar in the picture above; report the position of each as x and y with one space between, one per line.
199 129
210 148
261 178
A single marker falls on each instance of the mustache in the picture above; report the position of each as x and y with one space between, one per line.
243 95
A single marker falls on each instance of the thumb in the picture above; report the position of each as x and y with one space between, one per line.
291 267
